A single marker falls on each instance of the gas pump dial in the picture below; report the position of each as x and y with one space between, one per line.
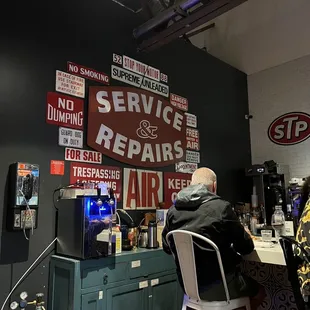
14 305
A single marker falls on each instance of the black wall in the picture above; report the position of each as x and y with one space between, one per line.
37 40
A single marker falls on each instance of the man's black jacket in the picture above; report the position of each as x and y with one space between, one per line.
200 211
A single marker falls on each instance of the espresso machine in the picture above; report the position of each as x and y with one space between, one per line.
270 189
84 223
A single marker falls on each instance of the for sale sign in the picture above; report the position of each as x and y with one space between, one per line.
193 157
64 111
84 156
179 102
142 189
70 84
191 120
192 139
173 183
88 73
156 135
70 137
88 173
186 167
139 81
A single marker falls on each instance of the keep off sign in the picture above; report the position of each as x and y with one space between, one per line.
88 173
70 137
88 73
192 139
84 156
191 120
142 189
179 102
70 84
173 183
64 111
156 136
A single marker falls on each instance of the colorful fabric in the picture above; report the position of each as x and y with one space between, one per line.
303 238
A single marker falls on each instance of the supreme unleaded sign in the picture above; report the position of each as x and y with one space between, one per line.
88 173
135 127
139 81
70 84
85 156
192 139
142 189
88 73
64 111
173 183
179 102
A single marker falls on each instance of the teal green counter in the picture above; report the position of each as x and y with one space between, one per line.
137 280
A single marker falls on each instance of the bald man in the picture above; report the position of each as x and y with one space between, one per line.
198 209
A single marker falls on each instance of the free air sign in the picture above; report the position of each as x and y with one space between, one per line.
89 173
192 139
85 156
64 111
135 127
142 189
88 73
70 137
173 183
290 128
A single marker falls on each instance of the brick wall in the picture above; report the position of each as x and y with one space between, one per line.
272 93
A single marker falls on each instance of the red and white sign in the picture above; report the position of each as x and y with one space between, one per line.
179 102
70 84
142 189
191 120
290 128
140 68
57 167
186 167
173 183
64 111
192 139
156 136
88 73
89 173
84 156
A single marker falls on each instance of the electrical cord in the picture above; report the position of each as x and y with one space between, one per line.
26 272
25 215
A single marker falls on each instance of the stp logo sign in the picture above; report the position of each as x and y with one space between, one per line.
290 128
135 127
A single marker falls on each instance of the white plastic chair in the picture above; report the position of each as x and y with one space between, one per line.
183 240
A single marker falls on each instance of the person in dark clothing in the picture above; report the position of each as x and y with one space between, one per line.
198 209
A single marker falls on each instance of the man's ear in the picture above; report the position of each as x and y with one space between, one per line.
214 187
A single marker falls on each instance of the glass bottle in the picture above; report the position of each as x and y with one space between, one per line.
278 222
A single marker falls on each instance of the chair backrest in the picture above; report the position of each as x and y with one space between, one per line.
292 266
184 245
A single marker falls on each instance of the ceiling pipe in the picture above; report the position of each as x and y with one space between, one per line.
198 17
163 17
193 33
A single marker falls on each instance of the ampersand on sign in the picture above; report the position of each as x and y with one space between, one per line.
146 131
